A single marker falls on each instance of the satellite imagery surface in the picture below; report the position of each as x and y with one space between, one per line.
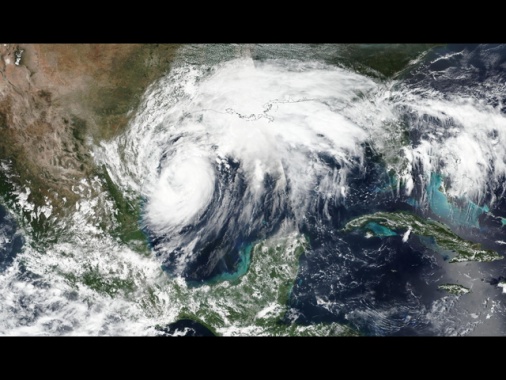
252 189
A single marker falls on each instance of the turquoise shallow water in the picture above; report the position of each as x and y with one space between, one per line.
467 214
378 286
240 270
380 230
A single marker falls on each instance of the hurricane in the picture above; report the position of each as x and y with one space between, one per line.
282 190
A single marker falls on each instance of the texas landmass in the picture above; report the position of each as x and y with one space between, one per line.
56 100
59 100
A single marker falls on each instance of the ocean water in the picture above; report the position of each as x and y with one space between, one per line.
250 160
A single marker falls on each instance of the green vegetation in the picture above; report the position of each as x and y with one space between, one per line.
6 188
104 104
127 216
454 289
379 230
256 302
129 77
383 60
108 285
444 237
39 226
104 283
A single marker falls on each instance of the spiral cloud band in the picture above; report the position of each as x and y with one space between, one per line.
225 154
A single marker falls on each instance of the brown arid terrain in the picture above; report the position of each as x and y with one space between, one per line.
57 99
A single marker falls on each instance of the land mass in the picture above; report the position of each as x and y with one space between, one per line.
58 99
